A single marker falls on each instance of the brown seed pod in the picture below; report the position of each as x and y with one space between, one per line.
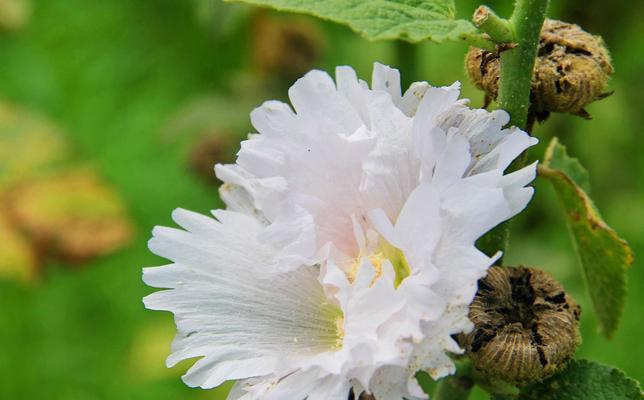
571 70
285 47
525 325
216 148
363 396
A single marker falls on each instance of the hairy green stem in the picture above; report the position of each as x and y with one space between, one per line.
517 64
479 40
407 60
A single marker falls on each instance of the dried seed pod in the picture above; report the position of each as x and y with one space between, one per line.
285 47
363 396
525 325
215 148
571 70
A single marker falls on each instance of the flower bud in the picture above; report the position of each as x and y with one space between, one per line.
571 70
525 325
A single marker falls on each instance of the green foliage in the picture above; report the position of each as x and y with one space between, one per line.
557 158
410 20
582 379
604 256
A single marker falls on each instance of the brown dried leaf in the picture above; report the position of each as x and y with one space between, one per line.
71 216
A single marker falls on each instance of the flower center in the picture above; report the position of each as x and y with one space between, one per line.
384 252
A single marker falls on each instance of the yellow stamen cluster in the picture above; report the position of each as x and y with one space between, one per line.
376 260
386 252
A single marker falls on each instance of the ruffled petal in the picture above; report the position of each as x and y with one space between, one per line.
232 307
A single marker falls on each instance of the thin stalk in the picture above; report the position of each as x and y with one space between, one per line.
407 61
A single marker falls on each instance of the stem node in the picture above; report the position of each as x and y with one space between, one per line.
498 28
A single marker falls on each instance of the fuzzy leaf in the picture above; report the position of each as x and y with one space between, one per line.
604 256
558 159
410 20
582 379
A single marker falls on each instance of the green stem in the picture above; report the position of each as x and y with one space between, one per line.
498 28
456 387
479 40
407 61
517 64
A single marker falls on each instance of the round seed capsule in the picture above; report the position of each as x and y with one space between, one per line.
525 325
571 70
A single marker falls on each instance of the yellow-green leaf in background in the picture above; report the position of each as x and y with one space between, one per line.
148 352
604 256
410 20
149 349
17 258
14 14
29 144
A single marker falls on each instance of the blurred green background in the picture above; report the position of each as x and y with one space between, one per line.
112 114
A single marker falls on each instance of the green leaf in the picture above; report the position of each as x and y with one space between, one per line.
582 379
410 20
604 256
558 159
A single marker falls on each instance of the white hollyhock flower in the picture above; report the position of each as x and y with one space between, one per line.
347 256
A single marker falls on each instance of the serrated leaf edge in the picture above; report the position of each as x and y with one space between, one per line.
594 219
434 38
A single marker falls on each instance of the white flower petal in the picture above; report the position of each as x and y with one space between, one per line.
386 79
315 99
230 305
412 97
274 118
